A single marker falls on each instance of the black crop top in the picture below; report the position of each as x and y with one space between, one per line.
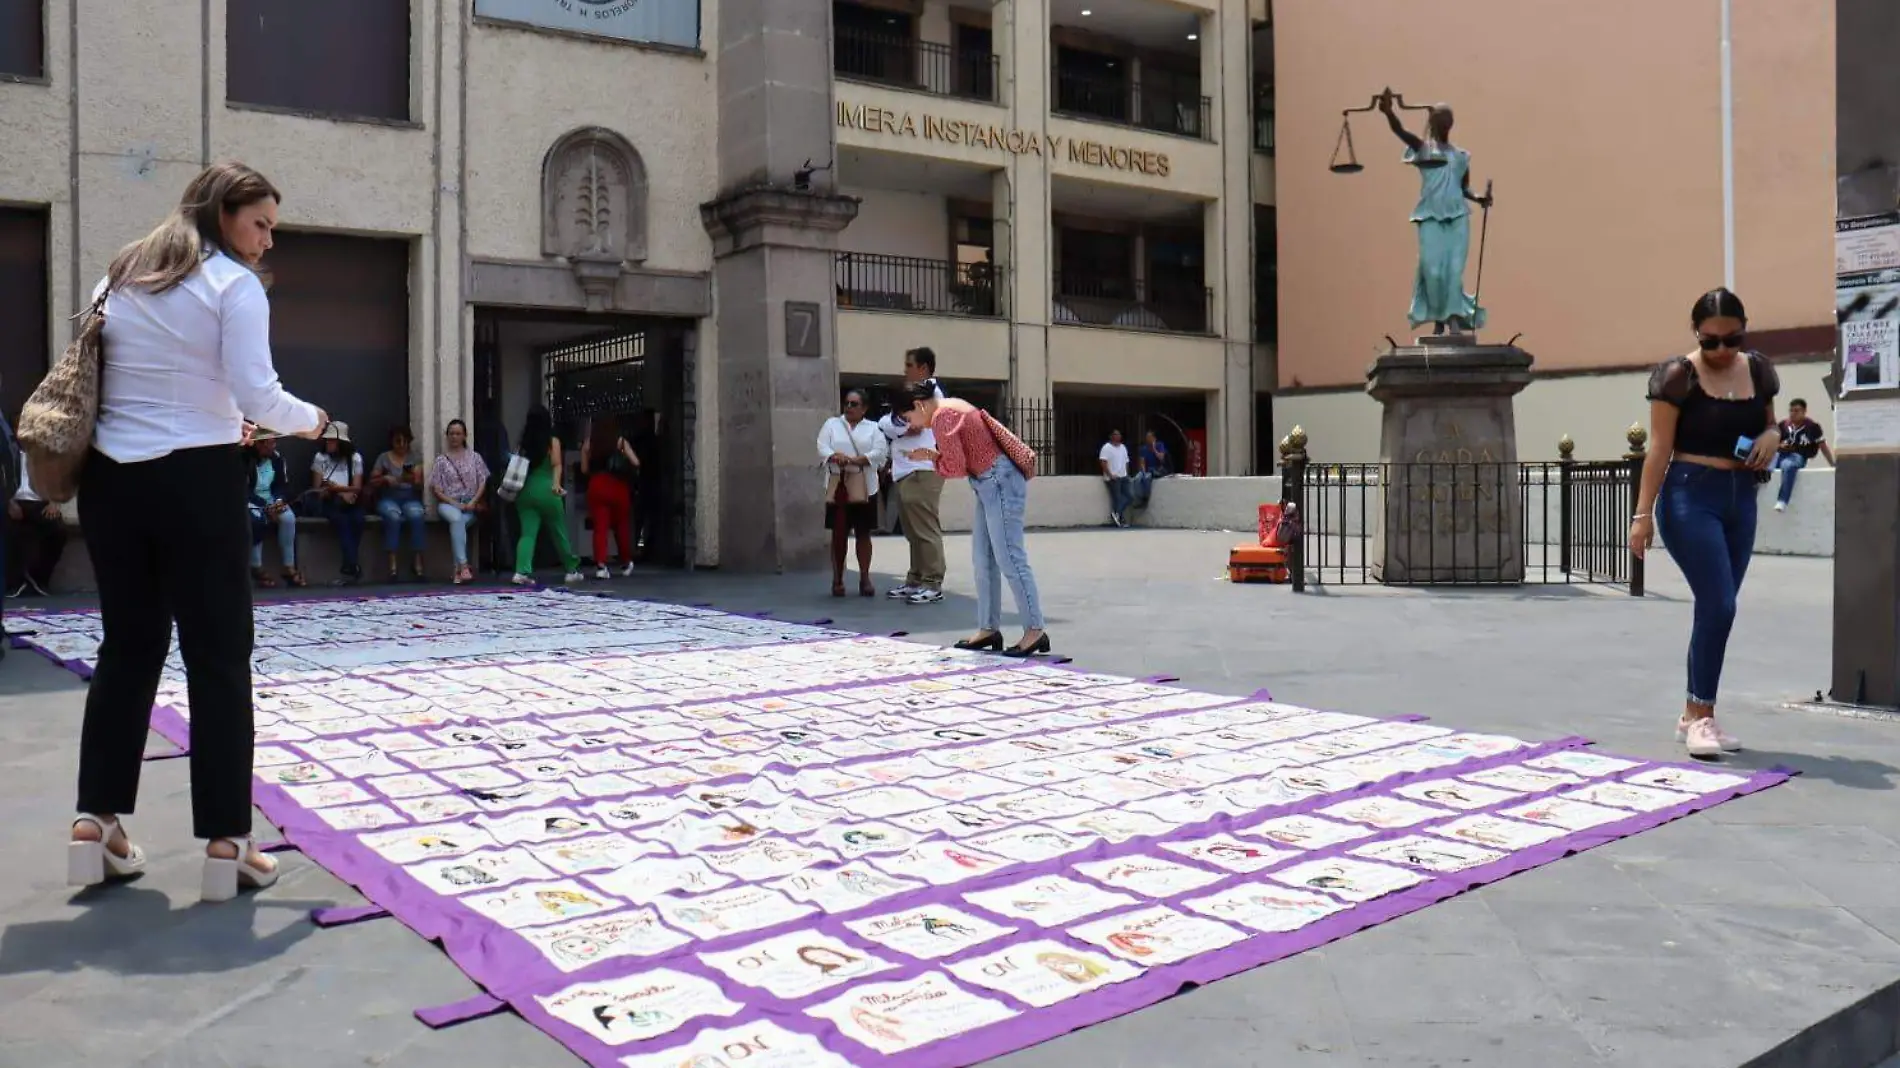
1709 426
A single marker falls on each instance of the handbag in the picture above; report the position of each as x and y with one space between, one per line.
1013 447
856 489
513 477
57 422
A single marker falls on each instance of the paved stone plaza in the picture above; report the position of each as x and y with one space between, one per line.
1706 943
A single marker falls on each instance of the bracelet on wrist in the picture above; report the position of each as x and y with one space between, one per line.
1640 515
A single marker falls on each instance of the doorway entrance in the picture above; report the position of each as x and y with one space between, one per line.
636 370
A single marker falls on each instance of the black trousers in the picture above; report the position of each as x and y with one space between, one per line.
170 539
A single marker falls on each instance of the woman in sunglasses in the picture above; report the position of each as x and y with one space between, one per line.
852 448
1712 430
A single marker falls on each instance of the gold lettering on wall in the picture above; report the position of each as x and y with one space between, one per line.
998 139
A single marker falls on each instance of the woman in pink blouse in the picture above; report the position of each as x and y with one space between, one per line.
459 479
972 444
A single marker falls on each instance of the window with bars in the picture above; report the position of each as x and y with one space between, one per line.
339 331
23 306
338 58
23 39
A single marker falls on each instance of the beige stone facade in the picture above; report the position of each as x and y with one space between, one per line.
1129 119
1116 212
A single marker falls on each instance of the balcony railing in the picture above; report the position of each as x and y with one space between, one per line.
1133 304
920 66
1130 103
913 284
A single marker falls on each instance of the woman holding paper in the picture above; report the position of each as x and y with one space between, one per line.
187 361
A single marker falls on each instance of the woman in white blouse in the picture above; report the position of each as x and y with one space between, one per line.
853 449
187 378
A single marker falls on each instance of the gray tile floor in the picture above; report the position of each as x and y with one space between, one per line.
1702 944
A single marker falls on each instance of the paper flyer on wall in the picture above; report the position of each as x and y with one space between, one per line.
1868 307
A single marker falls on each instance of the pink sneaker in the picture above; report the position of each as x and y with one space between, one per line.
1729 743
1705 739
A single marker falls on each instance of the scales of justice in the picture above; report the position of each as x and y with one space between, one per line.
1450 511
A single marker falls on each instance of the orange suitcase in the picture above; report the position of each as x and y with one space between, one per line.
1257 563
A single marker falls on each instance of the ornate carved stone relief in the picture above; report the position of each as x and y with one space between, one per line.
594 209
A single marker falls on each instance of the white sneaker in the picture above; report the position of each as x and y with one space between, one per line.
926 597
1727 742
522 580
601 572
572 577
902 593
1781 506
628 570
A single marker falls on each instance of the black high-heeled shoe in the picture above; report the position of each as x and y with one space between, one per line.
1024 652
988 643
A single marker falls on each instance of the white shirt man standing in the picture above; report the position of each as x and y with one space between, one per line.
1114 462
919 490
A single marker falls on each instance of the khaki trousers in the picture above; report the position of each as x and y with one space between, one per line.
918 494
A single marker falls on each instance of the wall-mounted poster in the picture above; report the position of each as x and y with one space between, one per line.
669 22
1868 306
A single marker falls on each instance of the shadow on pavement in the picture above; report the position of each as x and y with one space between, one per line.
129 930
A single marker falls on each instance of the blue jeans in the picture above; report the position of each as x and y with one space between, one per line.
1119 496
460 523
1707 521
1790 465
286 524
1141 487
397 516
348 521
996 547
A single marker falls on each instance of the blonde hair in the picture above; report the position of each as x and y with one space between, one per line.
165 257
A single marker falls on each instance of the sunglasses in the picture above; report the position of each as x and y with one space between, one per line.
854 404
1726 341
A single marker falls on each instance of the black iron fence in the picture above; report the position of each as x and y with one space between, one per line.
1462 523
1133 304
922 66
912 284
1163 108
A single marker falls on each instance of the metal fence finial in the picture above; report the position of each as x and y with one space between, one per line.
1566 448
1293 447
1639 441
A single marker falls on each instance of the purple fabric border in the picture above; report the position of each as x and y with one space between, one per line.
461 1011
501 961
346 914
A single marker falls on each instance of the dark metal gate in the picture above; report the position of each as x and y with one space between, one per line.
642 377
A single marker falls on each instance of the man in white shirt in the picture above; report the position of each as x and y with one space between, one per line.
1114 462
38 532
919 490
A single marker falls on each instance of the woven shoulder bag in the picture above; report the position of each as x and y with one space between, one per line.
57 422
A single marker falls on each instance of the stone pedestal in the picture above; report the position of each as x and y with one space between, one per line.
1449 510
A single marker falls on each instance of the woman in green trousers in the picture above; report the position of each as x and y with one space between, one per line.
543 498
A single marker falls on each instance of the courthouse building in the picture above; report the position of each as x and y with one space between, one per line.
711 214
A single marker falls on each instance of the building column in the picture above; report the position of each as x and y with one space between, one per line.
774 227
1226 67
1021 194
